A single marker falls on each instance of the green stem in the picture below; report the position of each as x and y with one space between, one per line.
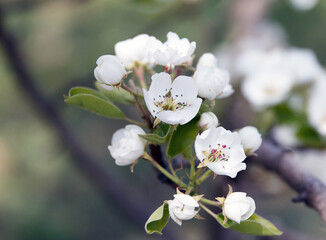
210 202
162 170
204 177
135 122
171 168
208 210
198 172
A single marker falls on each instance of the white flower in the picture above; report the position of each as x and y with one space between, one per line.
221 151
304 5
109 71
303 64
267 88
182 207
250 139
238 207
172 103
211 80
207 120
207 60
285 135
317 107
175 51
137 51
126 146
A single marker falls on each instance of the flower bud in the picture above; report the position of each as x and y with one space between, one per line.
207 60
250 139
207 120
182 207
109 71
238 207
126 146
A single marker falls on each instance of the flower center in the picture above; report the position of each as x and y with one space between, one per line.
217 153
170 103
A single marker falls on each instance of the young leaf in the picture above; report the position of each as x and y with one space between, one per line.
95 104
85 90
117 95
255 225
182 137
158 220
157 139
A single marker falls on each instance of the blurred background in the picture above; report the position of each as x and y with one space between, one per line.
48 188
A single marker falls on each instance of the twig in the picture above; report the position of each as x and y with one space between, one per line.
281 161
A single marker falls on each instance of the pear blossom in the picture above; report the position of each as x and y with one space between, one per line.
126 146
182 207
207 120
303 64
250 139
285 135
317 107
174 51
221 151
238 206
304 5
172 103
137 51
207 60
109 71
267 87
211 80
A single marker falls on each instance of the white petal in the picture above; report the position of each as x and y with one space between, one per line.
186 200
186 87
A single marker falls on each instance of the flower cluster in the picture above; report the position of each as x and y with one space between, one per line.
177 109
275 74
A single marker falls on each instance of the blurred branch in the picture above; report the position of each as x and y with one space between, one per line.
281 161
109 187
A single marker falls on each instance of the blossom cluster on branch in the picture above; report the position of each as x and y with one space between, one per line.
176 101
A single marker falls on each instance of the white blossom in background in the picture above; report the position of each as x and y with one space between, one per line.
303 64
285 135
303 5
221 151
175 51
250 139
267 88
182 207
109 71
245 54
137 51
172 103
212 81
317 106
238 206
126 146
207 120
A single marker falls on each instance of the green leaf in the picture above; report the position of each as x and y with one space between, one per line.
117 95
255 225
158 220
182 138
154 138
285 114
94 104
310 137
90 91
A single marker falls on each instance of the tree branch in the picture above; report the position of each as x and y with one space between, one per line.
110 188
310 189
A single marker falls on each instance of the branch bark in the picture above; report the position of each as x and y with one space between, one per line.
310 189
